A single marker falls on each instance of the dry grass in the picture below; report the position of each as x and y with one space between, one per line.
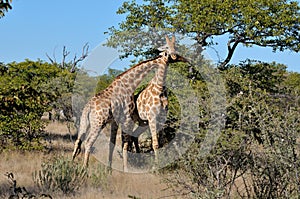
120 185
21 164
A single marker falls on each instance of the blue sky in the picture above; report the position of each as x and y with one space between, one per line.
33 28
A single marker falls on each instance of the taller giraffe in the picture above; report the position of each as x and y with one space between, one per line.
115 105
152 102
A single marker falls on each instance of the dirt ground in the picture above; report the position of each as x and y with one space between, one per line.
119 184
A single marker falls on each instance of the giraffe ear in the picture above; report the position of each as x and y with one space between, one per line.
168 40
173 39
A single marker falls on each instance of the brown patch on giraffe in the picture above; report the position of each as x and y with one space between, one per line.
147 108
144 101
97 102
130 80
100 113
114 84
150 98
156 101
155 92
151 103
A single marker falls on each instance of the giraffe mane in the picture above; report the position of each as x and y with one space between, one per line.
143 62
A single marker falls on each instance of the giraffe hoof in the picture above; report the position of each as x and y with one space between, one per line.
109 170
77 152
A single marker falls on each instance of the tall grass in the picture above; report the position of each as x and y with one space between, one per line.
60 174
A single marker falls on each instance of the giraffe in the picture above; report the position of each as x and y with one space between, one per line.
152 102
114 105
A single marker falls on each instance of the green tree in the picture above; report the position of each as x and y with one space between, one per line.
258 147
262 23
292 84
27 90
105 79
69 101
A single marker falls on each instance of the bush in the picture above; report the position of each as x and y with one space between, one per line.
27 90
60 174
257 154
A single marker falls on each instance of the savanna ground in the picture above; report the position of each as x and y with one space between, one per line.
59 142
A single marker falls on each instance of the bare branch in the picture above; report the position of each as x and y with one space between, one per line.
84 54
75 60
51 60
65 54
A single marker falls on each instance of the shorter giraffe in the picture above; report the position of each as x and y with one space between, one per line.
152 102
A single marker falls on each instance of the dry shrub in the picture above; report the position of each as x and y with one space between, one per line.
60 174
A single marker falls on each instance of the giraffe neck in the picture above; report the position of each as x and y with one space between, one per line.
159 78
134 76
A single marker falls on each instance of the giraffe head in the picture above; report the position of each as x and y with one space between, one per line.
169 51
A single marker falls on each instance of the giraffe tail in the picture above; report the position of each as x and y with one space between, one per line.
84 125
77 148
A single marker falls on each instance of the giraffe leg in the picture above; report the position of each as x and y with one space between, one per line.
89 143
112 143
125 157
129 139
135 141
126 142
154 135
127 128
83 128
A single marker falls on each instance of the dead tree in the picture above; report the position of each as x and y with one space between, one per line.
72 64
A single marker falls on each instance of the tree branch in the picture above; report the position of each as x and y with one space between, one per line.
72 65
51 60
231 50
65 54
84 54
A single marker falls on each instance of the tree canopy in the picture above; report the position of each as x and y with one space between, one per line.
272 23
